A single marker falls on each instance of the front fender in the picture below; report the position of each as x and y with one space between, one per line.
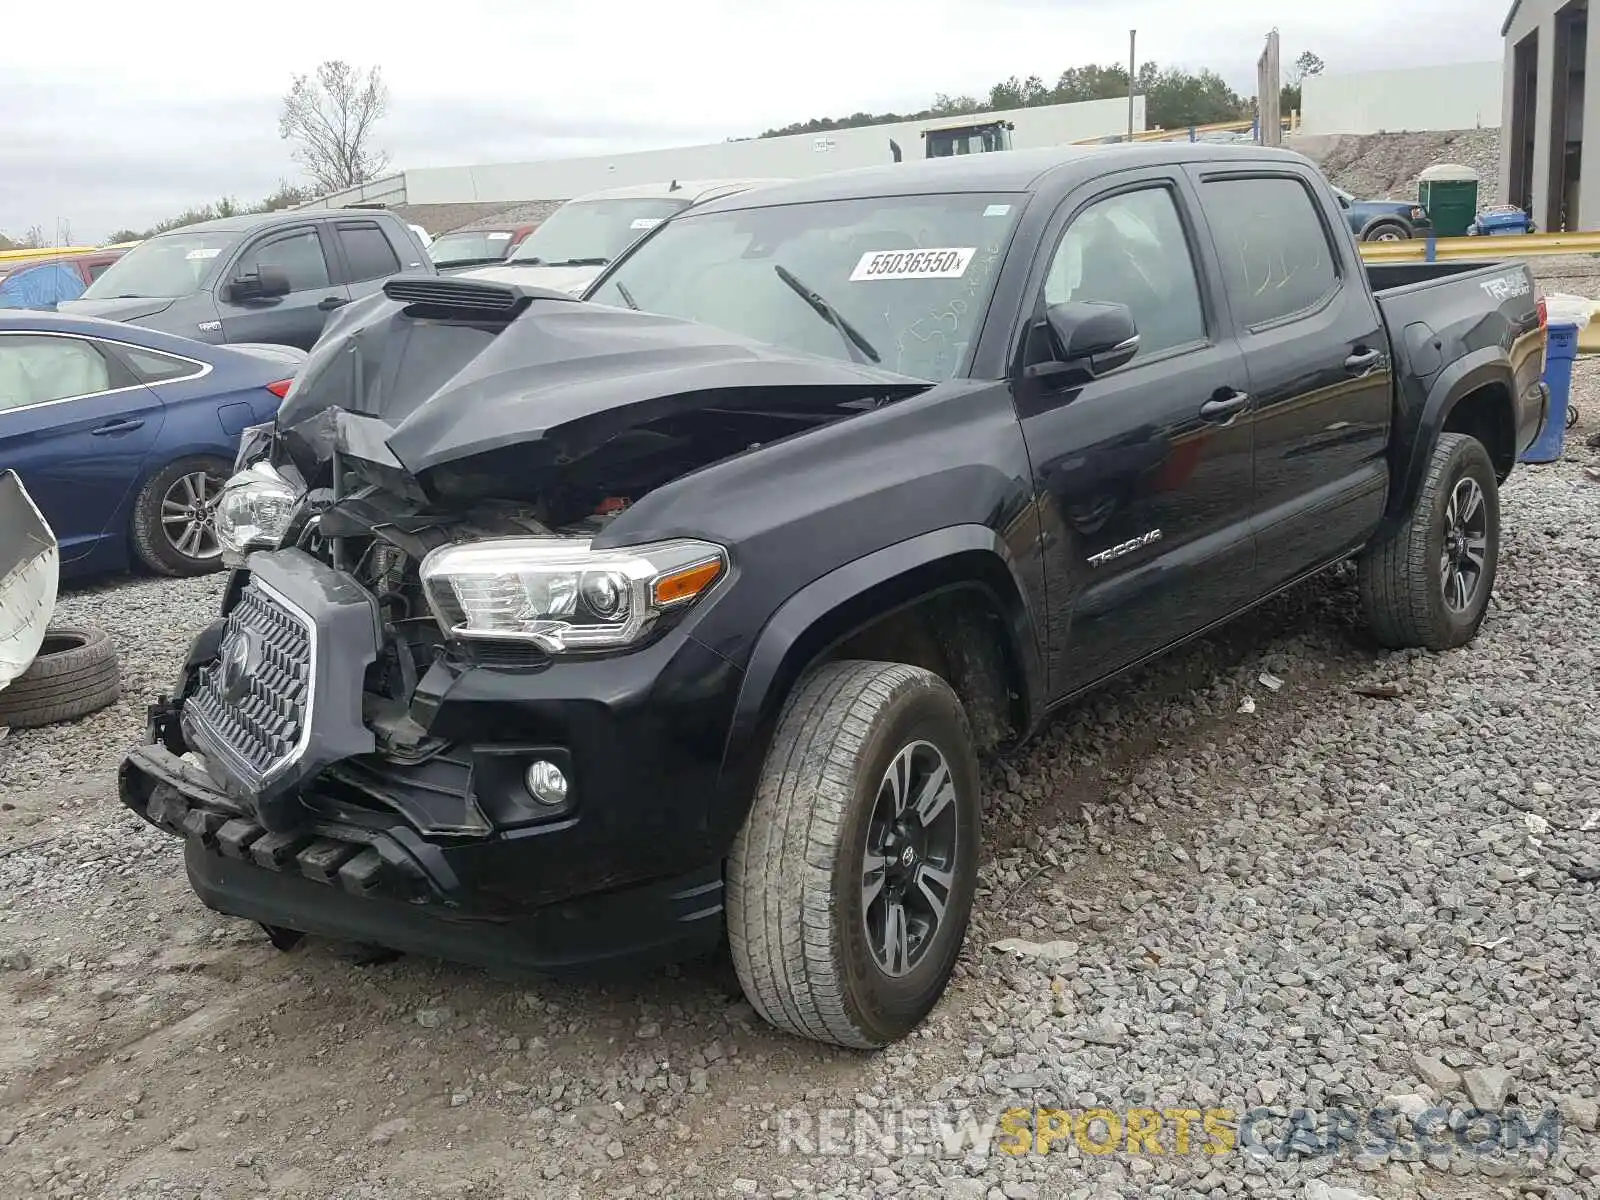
1486 367
830 609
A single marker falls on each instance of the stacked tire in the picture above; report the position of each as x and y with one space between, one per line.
74 674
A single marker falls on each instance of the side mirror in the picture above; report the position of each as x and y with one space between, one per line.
1088 338
268 283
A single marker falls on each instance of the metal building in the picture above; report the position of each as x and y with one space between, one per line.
1545 137
793 157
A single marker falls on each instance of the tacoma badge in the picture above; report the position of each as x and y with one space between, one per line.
1127 547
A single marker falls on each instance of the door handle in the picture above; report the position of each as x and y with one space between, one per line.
329 303
126 426
1225 407
1362 360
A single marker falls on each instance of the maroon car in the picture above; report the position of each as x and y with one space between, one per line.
476 247
45 282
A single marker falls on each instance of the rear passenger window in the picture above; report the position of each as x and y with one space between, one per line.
153 367
368 252
1276 257
1130 249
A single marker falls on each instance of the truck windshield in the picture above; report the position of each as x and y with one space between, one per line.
476 246
970 139
911 274
166 266
593 232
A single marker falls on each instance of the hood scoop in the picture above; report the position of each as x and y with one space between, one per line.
426 295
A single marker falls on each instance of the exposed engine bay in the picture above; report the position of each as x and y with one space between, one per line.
449 414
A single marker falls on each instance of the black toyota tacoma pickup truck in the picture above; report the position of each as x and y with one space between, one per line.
571 632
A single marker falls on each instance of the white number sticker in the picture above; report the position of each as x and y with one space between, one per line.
501 236
949 262
645 223
203 253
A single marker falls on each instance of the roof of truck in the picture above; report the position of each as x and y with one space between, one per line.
1000 171
282 216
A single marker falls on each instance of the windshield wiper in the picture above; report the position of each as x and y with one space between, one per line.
580 262
852 336
525 262
627 296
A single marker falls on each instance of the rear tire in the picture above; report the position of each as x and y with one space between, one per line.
171 542
74 674
819 871
1415 584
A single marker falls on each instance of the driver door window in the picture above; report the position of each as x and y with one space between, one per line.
1130 249
298 255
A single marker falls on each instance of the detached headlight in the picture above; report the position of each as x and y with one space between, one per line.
255 509
559 594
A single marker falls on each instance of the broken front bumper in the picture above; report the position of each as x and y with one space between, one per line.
391 888
265 767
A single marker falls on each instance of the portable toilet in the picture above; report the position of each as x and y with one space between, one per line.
1449 194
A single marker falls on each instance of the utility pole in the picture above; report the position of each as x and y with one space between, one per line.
1269 131
1133 35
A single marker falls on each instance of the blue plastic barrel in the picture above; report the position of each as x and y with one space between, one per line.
1560 350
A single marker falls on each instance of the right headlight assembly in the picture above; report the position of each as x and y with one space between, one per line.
254 510
560 595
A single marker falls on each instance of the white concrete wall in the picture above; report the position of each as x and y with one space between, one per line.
1457 96
796 156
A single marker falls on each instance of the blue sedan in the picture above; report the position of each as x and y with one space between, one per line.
124 436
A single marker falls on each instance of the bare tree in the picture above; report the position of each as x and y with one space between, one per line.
1306 65
330 117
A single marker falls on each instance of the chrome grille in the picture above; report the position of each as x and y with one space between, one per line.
255 699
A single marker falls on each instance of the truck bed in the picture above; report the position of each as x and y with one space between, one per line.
1459 315
1394 277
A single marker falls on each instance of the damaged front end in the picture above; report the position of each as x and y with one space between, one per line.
30 571
438 711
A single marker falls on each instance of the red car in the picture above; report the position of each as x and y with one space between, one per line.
476 247
44 282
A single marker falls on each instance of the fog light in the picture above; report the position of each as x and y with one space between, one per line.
546 783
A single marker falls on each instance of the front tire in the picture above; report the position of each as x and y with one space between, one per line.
1387 231
174 518
1428 583
851 883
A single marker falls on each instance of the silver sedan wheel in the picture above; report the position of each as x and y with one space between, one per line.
188 515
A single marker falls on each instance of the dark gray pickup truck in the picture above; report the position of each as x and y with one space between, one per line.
257 277
569 632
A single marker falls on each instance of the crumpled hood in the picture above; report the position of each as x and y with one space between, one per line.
557 383
125 309
557 279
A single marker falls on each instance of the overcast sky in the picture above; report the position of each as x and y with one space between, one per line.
122 115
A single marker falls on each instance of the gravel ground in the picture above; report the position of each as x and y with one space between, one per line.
1318 900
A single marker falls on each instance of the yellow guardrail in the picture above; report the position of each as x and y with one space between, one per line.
1488 248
